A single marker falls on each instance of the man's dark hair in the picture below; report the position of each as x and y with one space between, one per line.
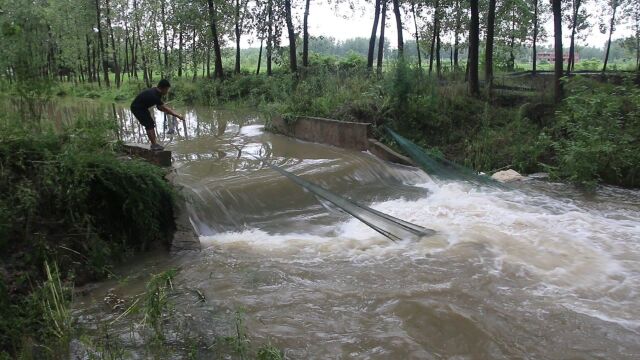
164 83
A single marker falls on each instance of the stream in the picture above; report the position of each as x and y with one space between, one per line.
542 271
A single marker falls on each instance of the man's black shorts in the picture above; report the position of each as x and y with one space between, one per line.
144 117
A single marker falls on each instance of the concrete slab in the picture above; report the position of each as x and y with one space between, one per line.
348 135
385 153
160 158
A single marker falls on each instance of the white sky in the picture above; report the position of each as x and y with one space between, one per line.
342 23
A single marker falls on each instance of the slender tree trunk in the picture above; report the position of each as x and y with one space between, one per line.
269 36
534 58
180 52
164 37
105 62
372 39
396 11
415 26
574 23
146 72
216 42
237 32
126 69
488 54
113 43
259 58
438 45
293 63
557 29
89 65
381 40
432 54
456 36
611 26
194 57
305 35
474 43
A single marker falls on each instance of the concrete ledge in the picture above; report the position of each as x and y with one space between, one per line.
348 135
185 238
385 153
160 158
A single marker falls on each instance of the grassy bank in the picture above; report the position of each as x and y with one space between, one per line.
70 209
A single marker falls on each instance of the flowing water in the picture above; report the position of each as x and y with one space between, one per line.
541 271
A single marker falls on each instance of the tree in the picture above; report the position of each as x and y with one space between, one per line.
213 18
488 54
305 35
557 34
474 43
415 25
372 39
613 8
396 11
105 62
381 41
293 63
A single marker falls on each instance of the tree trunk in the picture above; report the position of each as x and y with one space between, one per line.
269 36
259 57
127 68
293 63
396 11
381 40
372 39
105 62
305 35
89 65
488 53
194 57
145 68
574 23
216 43
557 30
614 6
535 36
164 36
236 68
436 7
415 26
180 52
438 62
113 44
456 41
474 43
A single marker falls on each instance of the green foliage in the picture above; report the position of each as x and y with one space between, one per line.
62 193
597 131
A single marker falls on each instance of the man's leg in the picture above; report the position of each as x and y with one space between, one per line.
151 133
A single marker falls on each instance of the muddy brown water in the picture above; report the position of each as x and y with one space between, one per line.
543 271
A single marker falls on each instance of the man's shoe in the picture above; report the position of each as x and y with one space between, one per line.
156 147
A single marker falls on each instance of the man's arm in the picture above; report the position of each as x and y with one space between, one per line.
170 111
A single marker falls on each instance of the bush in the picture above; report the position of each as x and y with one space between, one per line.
67 198
597 132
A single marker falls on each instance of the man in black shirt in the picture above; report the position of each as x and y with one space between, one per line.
146 99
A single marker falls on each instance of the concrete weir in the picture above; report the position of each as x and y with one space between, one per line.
160 158
185 237
344 134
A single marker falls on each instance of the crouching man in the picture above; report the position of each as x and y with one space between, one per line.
146 99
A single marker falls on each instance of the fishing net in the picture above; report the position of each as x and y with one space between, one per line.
389 226
439 167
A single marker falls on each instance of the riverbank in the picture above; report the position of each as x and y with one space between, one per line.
587 139
72 208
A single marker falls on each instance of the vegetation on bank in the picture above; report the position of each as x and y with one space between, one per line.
67 199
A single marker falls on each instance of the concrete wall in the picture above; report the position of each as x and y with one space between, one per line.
344 134
348 135
160 158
